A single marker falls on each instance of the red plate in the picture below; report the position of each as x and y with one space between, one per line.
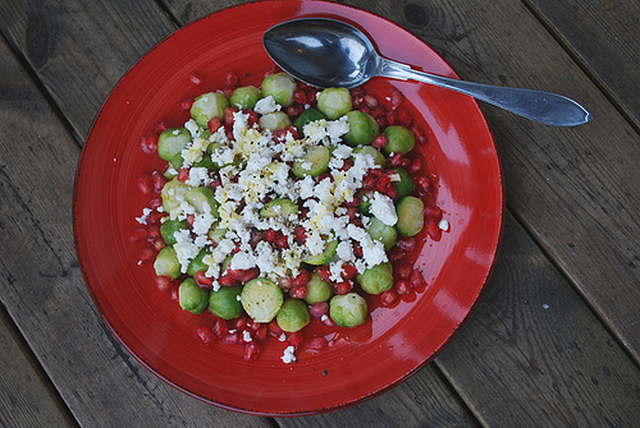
395 342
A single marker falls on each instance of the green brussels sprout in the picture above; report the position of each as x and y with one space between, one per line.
318 290
245 97
172 194
274 121
217 234
167 263
348 310
293 315
172 142
365 202
379 158
197 196
225 304
410 216
334 102
196 264
261 299
401 140
383 233
280 208
281 87
314 162
192 298
405 186
308 116
377 279
363 128
176 161
325 256
169 228
207 106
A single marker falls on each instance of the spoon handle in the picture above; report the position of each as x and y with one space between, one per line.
543 107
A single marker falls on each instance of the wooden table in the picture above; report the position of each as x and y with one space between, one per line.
555 339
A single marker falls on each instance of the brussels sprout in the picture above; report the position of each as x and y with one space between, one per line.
401 140
365 202
245 97
176 161
172 141
325 256
167 263
383 233
348 310
196 264
281 87
379 158
217 234
318 290
275 121
308 116
169 228
207 106
377 279
334 102
197 196
224 303
192 298
405 186
261 299
410 216
279 207
314 162
173 194
293 315
363 128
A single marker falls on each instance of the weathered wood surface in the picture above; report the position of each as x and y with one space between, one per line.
515 362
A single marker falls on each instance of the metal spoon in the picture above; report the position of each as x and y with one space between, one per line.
329 53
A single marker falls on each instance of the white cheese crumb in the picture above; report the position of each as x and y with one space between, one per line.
289 355
266 105
282 337
144 217
443 225
246 336
383 209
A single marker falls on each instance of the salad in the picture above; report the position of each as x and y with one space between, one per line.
284 205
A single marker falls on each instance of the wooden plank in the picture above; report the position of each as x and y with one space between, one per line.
603 36
26 398
41 284
533 354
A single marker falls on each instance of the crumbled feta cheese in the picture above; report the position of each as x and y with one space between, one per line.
289 355
266 105
443 225
383 209
145 216
246 337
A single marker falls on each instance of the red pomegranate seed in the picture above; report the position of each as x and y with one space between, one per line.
138 234
301 279
403 287
202 280
406 244
357 100
155 203
416 166
220 327
145 184
149 143
296 339
241 322
163 283
274 329
262 332
228 115
155 217
231 338
327 321
269 72
396 254
405 163
346 165
404 117
317 343
324 272
343 287
158 127
433 212
191 218
185 105
311 96
183 174
300 234
417 280
349 271
270 235
395 160
282 241
235 274
424 184
388 298
403 271
392 117
231 79
249 274
396 97
153 232
300 97
214 124
206 335
285 283
158 180
227 281
317 310
251 351
159 244
357 250
228 131
253 117
294 111
146 255
370 101
196 79
434 231
298 292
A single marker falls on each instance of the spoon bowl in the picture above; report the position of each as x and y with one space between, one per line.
330 53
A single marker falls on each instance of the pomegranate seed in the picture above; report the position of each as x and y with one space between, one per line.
250 274
424 184
406 244
206 335
231 79
403 287
300 97
396 254
298 292
317 310
228 132
253 117
346 165
317 343
175 296
366 110
158 180
300 234
145 184
433 212
416 165
159 244
235 274
403 271
251 351
396 97
220 328
370 101
185 105
214 124
301 279
163 283
357 92
395 160
357 250
296 339
388 298
149 144
202 280
155 203
284 283
343 287
324 272
349 271
377 112
417 280
274 329
231 338
311 96
146 255
262 332
270 235
357 100
241 322
327 321
353 203
282 242
183 174
434 230
269 72
153 232
155 217
420 137
138 234
158 127
325 175
228 115
196 79
392 117
404 117
294 111
227 281
191 218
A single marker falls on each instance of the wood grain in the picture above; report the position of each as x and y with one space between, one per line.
42 288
